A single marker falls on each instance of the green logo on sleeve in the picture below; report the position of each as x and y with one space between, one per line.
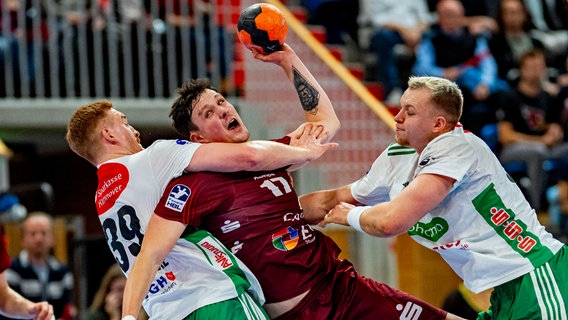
432 230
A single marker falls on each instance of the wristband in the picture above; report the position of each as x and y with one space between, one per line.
129 317
354 217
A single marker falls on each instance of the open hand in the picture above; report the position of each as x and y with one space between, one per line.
311 137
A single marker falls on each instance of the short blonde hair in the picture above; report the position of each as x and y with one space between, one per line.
445 94
81 135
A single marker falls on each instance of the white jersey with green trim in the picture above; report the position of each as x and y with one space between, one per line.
391 172
484 229
199 270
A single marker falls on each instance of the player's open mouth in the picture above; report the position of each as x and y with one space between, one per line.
233 124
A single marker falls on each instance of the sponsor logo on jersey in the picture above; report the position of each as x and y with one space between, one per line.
182 142
425 162
264 176
236 247
507 225
163 265
178 197
162 284
113 178
293 216
285 239
454 245
410 311
230 226
217 255
432 230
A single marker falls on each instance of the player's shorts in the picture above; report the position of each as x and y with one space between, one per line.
540 294
243 307
348 295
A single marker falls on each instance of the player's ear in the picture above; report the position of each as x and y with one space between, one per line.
107 134
440 123
194 136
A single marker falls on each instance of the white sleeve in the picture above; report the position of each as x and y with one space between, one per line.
372 188
169 158
449 156
390 173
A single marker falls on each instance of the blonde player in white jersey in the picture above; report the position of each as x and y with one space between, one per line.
453 196
196 276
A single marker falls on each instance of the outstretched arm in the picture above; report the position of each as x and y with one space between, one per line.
14 305
159 239
317 204
258 155
317 107
391 218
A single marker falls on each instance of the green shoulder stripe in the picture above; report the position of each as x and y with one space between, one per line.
396 149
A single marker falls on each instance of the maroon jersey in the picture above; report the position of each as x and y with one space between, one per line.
5 261
258 217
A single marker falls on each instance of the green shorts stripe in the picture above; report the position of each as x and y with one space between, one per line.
243 307
541 294
251 308
547 293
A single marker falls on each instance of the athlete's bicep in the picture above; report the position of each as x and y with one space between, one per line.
422 195
161 236
222 157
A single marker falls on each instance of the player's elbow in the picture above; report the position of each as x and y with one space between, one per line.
390 230
386 228
151 256
332 126
252 158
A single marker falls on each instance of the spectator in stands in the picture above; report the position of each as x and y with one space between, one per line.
478 15
35 273
8 44
513 38
557 195
199 21
21 24
126 29
338 17
528 122
84 26
450 51
551 20
392 23
13 304
107 303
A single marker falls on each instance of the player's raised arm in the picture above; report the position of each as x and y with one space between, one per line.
258 155
313 99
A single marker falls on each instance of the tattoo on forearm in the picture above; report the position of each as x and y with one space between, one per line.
309 96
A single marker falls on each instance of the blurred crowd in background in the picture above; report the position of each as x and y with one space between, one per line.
510 57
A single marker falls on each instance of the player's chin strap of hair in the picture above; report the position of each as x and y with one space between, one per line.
354 217
129 317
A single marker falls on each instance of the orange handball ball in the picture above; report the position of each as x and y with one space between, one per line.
262 26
